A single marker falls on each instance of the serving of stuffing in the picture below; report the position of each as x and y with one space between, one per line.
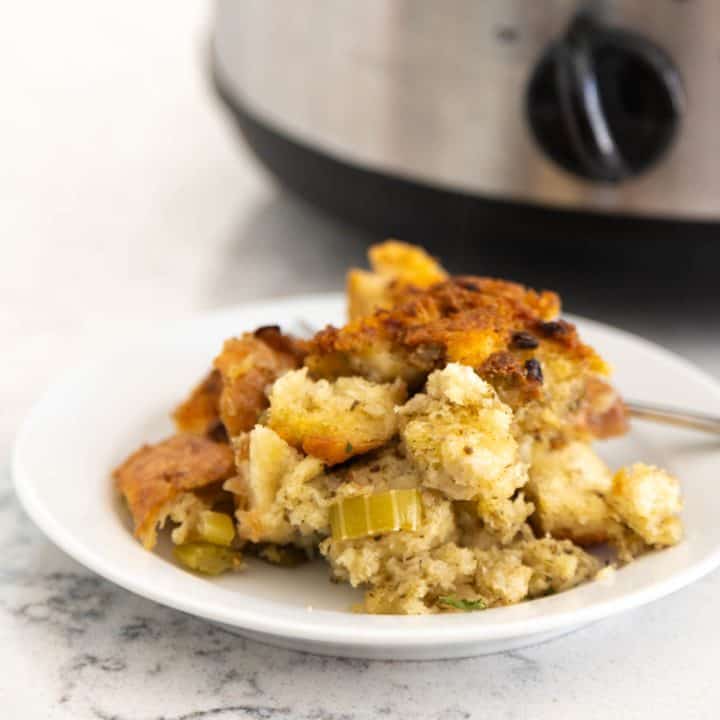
435 451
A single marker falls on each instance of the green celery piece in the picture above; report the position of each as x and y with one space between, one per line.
462 603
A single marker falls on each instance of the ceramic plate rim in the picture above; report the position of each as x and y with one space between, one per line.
403 632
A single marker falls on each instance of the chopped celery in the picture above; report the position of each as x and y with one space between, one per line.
468 605
215 528
206 558
376 514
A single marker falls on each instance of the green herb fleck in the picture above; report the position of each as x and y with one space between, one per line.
348 449
462 603
550 591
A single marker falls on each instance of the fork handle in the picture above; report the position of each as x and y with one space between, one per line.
669 416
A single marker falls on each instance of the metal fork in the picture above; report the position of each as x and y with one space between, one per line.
674 416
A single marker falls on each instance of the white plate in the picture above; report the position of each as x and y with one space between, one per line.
90 420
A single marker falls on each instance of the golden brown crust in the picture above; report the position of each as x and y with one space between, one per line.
437 316
334 450
335 420
464 319
409 264
568 486
563 334
512 377
580 538
544 304
247 365
200 413
395 267
283 344
156 474
503 330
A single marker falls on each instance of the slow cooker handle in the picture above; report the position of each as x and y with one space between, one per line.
581 104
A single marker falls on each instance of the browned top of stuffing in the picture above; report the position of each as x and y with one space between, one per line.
464 319
155 474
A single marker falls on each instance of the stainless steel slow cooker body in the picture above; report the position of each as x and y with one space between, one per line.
440 93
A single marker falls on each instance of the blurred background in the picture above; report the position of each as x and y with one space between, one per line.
159 159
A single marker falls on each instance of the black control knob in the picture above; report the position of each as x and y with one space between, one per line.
604 103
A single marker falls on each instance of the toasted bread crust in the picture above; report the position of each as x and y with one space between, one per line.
464 319
248 365
503 330
334 421
333 450
568 486
200 413
395 267
467 318
155 475
647 500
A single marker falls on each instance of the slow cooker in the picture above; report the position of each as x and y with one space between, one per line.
419 117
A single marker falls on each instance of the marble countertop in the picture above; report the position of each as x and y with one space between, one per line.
127 200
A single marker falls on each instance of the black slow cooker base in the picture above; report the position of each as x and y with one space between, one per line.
589 257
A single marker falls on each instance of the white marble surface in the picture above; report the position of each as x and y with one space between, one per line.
126 199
